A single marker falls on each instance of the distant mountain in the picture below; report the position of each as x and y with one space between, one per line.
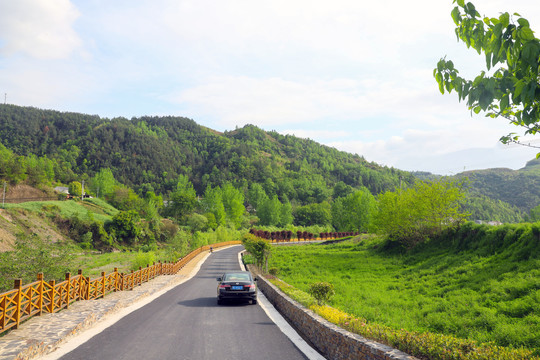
148 153
520 188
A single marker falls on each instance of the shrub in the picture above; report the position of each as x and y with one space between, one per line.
273 271
259 248
321 291
142 259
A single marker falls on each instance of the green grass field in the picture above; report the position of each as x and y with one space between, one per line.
487 298
96 208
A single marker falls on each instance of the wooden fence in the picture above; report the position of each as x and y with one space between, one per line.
38 297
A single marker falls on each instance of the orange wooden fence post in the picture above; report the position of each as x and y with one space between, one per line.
3 305
122 282
41 289
116 284
68 290
52 283
87 292
81 282
17 285
103 284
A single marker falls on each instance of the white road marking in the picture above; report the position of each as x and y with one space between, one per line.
283 325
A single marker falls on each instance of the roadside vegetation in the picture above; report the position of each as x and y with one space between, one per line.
476 283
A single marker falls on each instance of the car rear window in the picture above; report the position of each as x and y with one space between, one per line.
236 277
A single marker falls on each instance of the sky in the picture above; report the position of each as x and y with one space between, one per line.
351 74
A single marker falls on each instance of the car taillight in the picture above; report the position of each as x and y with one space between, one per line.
223 286
249 286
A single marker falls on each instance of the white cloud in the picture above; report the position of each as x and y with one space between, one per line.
40 28
271 102
356 73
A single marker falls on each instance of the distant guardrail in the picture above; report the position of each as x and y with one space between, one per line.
21 200
26 301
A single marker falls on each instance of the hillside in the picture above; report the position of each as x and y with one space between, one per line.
148 153
519 188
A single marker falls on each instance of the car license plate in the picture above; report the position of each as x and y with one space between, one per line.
237 287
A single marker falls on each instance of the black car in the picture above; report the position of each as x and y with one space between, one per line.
236 285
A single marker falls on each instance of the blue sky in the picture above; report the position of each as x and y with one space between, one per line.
354 75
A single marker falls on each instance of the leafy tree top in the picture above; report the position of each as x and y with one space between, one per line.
513 54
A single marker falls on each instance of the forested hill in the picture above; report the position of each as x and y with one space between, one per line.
148 153
516 187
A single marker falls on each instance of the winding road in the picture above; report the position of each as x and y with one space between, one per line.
186 323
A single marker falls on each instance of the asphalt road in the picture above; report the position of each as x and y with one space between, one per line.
186 323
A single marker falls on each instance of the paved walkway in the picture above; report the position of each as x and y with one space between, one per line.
41 335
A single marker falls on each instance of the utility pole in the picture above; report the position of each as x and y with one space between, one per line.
5 98
4 196
82 192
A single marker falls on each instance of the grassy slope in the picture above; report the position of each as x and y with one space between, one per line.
30 219
485 298
96 208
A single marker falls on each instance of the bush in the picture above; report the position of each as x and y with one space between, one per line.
321 291
259 248
143 259
273 271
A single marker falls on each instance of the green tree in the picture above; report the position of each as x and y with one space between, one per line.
256 195
269 212
534 214
313 214
124 198
183 200
233 202
103 183
259 248
413 215
213 203
75 188
510 47
124 227
285 216
354 212
197 222
341 190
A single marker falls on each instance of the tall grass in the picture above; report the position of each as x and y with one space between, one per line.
472 289
95 209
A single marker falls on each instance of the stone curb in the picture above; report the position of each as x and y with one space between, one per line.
331 340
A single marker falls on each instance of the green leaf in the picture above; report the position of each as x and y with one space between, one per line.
477 109
504 102
518 88
523 22
470 9
527 34
456 15
505 19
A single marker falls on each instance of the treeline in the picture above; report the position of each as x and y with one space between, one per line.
149 153
281 179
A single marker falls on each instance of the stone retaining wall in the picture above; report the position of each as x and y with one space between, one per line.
332 341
